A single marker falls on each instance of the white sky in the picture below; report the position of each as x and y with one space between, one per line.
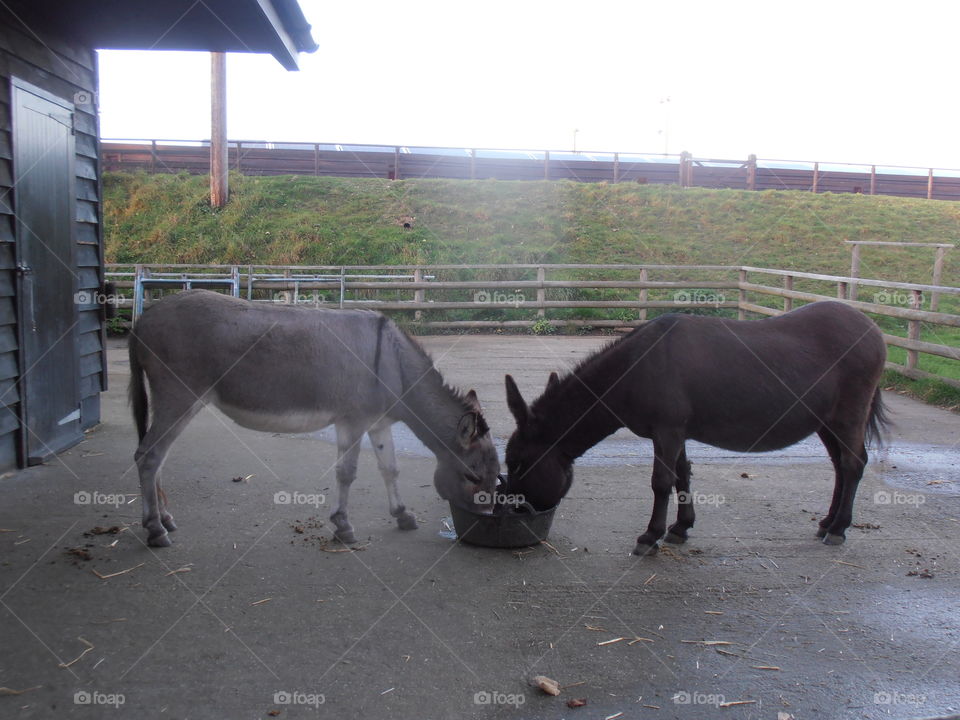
872 82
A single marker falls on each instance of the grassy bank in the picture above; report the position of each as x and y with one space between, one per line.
343 221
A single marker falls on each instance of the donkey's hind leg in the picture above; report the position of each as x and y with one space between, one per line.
832 445
382 439
348 451
170 417
685 514
853 460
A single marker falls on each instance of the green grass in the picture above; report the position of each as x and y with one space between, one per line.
341 221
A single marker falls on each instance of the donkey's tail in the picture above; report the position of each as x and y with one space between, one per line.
138 389
878 421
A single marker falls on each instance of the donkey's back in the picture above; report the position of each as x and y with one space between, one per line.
268 367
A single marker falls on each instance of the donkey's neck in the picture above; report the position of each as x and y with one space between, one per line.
576 415
430 408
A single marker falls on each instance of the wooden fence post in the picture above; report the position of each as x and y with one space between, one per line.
787 285
913 331
316 159
418 293
642 315
473 163
930 184
396 163
742 297
153 156
816 176
854 268
546 165
541 292
937 276
239 154
752 172
616 168
873 179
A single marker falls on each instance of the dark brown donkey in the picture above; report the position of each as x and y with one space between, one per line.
747 386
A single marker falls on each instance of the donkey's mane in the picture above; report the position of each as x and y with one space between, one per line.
434 374
574 378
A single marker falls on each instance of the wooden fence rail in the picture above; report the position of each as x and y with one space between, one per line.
586 295
394 163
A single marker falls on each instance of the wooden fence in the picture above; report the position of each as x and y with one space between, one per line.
547 296
260 158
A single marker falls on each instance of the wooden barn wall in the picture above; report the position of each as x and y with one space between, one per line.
68 71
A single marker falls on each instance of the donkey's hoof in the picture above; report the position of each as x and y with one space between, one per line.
642 549
161 540
831 539
407 521
168 523
821 532
345 536
675 538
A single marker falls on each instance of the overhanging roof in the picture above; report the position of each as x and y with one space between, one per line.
277 27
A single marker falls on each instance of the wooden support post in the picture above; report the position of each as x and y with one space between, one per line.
541 292
418 293
873 179
616 168
546 165
752 172
930 184
643 296
316 158
219 187
937 277
913 330
788 285
841 290
816 176
742 297
854 268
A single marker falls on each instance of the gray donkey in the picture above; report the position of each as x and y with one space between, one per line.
292 370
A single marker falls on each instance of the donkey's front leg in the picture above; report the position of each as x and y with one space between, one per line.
666 452
348 451
382 439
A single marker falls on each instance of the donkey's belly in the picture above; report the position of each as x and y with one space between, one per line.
294 421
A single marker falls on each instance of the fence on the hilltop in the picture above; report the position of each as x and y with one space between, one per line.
550 295
399 162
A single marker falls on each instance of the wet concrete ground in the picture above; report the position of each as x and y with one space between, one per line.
253 614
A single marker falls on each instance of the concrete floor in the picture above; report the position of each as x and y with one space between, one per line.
249 614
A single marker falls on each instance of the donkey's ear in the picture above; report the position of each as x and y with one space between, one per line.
516 403
467 429
553 381
472 399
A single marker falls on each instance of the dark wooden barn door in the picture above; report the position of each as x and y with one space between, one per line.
43 145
